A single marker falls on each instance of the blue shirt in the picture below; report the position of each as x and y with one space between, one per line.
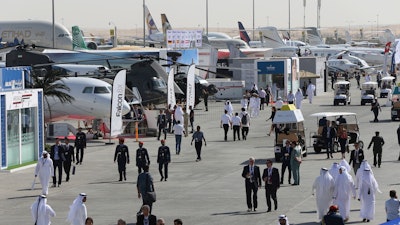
392 208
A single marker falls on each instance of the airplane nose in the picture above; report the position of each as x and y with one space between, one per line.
125 108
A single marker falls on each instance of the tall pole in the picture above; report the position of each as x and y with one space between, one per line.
253 20
289 18
144 24
304 14
377 24
53 25
207 17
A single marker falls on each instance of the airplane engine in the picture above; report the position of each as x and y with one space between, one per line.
91 45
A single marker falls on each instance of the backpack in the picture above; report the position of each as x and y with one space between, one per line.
244 119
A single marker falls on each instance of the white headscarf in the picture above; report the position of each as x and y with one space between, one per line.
364 165
283 217
38 208
345 164
73 208
334 170
343 180
368 179
325 180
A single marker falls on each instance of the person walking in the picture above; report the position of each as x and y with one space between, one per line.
142 157
271 178
57 155
291 98
69 157
342 138
45 170
283 220
356 157
226 123
41 211
392 206
323 188
146 218
205 98
329 132
263 94
163 158
251 173
198 138
191 118
77 210
236 124
332 217
80 145
286 151
310 91
377 149
122 157
162 124
168 116
344 190
295 161
376 108
179 132
273 112
398 139
144 185
245 121
299 98
366 194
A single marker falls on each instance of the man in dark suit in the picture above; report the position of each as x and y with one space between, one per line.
69 157
162 124
329 133
251 173
142 157
146 218
356 157
122 157
286 150
57 155
271 179
80 145
377 149
163 158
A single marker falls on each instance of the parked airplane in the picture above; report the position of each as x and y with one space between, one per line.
35 32
342 65
92 100
356 60
153 33
80 43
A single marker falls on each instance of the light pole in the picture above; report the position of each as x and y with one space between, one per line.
377 24
53 25
372 26
253 19
304 14
206 17
289 18
144 24
349 22
115 40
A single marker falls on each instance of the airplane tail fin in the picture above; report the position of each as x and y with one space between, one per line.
388 36
314 36
270 37
234 52
165 23
243 33
77 39
151 25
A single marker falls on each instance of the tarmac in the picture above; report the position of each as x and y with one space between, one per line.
211 191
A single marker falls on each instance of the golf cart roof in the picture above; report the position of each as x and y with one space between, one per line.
341 82
288 116
387 78
332 114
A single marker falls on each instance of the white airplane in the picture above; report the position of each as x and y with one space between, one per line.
342 65
36 32
79 42
81 69
92 100
364 66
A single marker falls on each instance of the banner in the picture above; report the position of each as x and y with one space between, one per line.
190 90
118 97
171 90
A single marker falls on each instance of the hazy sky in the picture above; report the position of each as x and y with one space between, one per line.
128 14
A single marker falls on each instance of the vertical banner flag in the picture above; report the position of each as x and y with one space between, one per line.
190 90
171 89
118 97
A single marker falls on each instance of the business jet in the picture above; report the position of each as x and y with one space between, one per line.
364 66
35 32
342 65
80 42
92 100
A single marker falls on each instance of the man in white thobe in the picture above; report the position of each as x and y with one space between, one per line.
44 168
310 91
323 188
366 194
178 114
364 165
344 163
344 190
244 102
254 105
77 211
228 107
334 170
299 98
41 211
279 103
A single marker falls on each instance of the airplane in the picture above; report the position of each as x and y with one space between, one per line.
342 65
34 32
364 66
92 100
80 43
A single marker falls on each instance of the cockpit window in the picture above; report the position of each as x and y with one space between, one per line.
109 88
88 90
159 83
101 90
63 35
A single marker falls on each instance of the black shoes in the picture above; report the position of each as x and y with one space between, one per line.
161 178
269 210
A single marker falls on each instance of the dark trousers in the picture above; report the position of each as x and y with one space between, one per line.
245 132
343 145
379 154
206 103
169 123
122 170
57 165
251 187
79 150
160 169
178 141
376 113
226 128
191 124
67 169
140 169
236 130
198 145
162 129
329 146
286 164
356 166
270 192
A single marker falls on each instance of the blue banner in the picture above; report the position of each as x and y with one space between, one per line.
271 67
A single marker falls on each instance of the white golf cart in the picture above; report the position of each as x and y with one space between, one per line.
342 93
291 121
368 92
351 125
386 86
